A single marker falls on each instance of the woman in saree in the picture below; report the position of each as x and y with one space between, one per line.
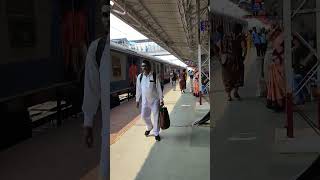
196 84
276 83
233 55
183 81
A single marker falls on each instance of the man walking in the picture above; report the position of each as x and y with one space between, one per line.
148 89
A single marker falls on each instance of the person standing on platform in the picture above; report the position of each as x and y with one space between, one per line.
149 92
196 88
256 41
233 65
263 40
133 71
183 81
96 102
191 80
276 82
173 78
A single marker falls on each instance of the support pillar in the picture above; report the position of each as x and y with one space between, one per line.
200 74
288 64
318 39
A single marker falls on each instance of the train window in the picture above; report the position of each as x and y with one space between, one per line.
27 37
119 61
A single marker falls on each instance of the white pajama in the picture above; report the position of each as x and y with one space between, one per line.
147 108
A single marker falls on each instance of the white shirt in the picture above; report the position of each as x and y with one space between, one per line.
147 90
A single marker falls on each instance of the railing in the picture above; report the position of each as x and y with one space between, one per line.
303 83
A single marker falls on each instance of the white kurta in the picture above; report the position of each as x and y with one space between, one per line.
96 91
151 95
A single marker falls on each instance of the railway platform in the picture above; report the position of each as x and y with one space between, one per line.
249 140
52 153
182 153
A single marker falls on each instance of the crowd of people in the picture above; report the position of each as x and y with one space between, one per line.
232 48
255 6
182 78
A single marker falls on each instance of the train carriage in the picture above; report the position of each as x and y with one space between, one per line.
122 80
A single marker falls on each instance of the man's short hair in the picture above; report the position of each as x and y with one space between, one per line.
147 63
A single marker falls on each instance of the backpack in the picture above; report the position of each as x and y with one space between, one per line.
100 48
154 78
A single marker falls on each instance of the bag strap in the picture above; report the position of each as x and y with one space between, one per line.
100 48
154 78
140 76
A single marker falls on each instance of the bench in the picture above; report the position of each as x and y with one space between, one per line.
18 119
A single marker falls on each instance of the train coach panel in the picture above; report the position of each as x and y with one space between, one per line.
118 71
166 72
158 68
154 66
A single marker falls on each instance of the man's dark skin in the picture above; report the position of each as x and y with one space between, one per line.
146 70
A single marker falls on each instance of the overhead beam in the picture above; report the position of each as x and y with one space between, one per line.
182 11
155 36
309 11
153 19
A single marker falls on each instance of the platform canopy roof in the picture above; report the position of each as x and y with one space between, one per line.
172 24
231 9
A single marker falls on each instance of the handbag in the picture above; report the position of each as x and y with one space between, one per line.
164 119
